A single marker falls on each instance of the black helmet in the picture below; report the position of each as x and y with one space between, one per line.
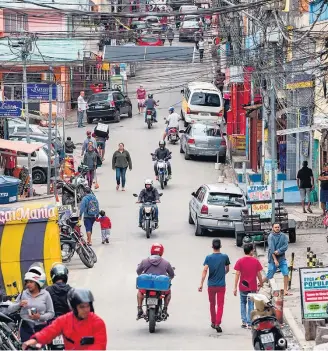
77 296
59 272
150 96
162 143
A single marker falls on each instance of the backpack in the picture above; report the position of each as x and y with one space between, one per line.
93 207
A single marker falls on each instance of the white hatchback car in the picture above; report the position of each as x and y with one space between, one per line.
216 207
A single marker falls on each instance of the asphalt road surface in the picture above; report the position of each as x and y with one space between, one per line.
113 278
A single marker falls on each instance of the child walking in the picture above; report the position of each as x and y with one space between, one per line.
105 225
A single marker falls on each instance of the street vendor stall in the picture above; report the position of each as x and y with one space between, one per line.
28 232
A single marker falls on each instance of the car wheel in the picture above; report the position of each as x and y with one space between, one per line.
89 120
130 112
222 159
39 176
187 156
190 220
181 149
117 118
239 239
198 230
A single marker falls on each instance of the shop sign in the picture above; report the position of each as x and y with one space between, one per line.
26 214
314 292
10 108
263 210
238 142
299 85
41 91
259 192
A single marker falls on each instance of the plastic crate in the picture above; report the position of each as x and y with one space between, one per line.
153 282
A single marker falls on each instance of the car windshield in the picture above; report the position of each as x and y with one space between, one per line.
99 97
205 99
152 19
204 130
149 39
224 199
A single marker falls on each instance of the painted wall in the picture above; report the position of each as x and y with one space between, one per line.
41 21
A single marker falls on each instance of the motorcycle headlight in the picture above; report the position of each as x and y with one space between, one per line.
161 164
147 209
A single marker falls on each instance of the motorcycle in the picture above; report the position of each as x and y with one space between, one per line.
150 116
148 215
266 331
173 135
163 175
71 241
8 339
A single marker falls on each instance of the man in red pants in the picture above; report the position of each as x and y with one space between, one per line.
218 266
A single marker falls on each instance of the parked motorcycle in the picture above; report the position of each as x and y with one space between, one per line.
163 175
266 331
8 338
173 135
71 241
148 216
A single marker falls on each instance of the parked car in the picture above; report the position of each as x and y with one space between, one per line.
138 25
149 40
187 30
19 125
39 160
192 18
203 140
153 22
108 105
216 207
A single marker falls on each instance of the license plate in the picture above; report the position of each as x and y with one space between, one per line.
58 340
98 107
173 137
267 338
148 116
204 114
152 301
224 223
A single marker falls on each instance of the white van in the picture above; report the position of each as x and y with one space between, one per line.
202 102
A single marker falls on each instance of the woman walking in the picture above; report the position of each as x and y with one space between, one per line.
120 162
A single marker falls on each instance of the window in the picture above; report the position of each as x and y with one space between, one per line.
15 22
205 99
118 97
203 130
99 97
201 195
224 199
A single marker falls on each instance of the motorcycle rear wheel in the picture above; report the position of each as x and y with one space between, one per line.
148 229
149 124
161 180
152 320
86 258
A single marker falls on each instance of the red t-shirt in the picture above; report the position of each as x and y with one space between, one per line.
105 222
248 267
141 94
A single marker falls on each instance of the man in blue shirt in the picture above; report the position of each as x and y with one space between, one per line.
218 266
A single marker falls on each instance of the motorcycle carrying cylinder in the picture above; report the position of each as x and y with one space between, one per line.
153 282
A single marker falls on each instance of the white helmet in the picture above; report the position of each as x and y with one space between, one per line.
37 275
149 182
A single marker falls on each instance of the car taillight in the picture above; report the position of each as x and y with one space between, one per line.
223 142
188 110
220 114
264 325
152 293
204 210
112 103
191 141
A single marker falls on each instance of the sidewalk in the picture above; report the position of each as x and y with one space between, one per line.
305 220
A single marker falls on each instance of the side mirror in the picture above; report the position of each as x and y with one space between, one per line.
193 194
135 195
160 194
182 91
87 340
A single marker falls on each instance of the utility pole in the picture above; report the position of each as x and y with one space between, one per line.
49 140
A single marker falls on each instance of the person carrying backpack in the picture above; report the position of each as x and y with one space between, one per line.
89 210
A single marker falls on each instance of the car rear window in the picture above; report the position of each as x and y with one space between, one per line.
190 24
99 97
152 20
203 130
205 99
149 39
223 199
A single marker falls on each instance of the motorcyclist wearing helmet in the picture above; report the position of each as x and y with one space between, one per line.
59 290
150 104
34 303
172 121
162 153
148 194
75 325
157 265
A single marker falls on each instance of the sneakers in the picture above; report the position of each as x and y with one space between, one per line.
164 313
140 313
218 329
213 325
156 225
107 241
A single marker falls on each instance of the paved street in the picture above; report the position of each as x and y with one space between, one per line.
112 279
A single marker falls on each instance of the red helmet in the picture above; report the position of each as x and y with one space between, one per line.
157 249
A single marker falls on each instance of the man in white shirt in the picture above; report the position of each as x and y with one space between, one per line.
81 108
172 121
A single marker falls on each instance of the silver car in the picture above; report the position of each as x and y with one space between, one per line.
216 207
203 140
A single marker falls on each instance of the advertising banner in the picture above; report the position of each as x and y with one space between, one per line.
314 292
260 193
41 91
11 108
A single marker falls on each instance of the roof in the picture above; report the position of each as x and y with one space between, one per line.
21 146
203 85
228 188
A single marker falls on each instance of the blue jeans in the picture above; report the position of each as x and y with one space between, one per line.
246 307
120 175
140 213
80 115
155 113
272 269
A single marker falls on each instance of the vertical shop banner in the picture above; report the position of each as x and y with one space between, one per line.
314 292
60 102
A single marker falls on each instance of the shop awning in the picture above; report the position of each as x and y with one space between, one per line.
21 146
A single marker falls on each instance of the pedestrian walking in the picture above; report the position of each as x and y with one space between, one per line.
324 188
170 35
248 271
305 183
87 141
120 162
162 37
277 247
105 225
197 37
89 209
90 160
81 108
217 266
201 47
